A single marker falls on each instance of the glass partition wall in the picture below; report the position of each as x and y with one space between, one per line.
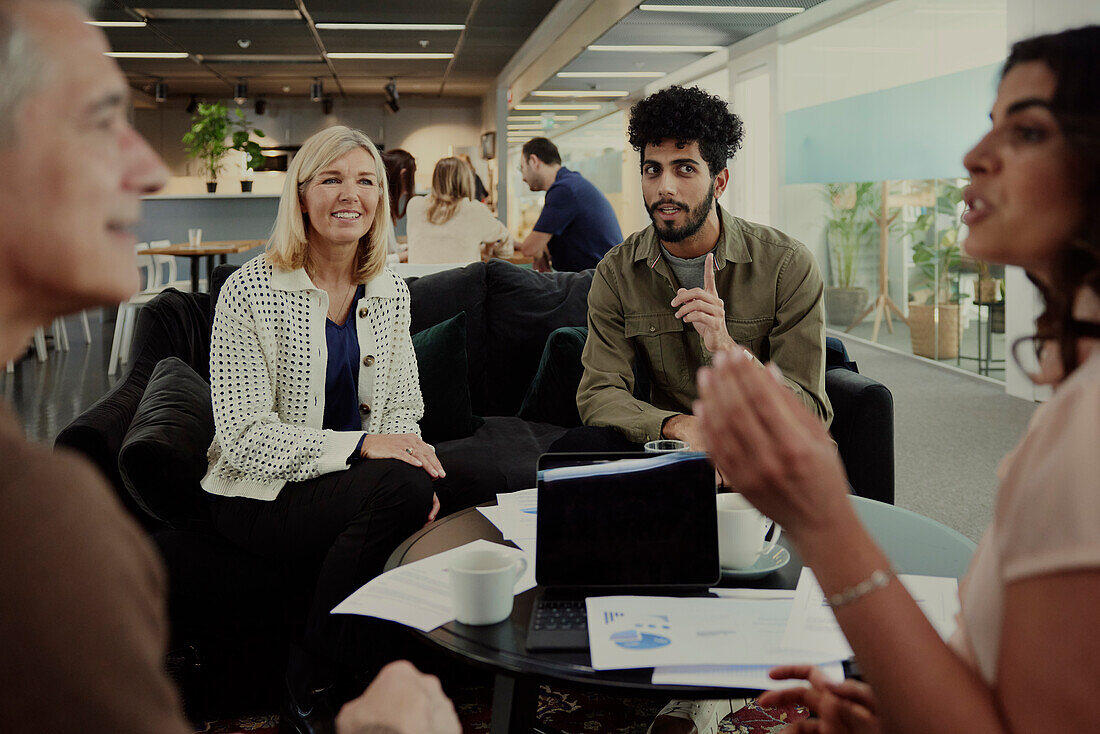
897 275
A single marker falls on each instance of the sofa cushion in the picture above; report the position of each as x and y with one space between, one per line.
163 456
440 296
522 307
441 362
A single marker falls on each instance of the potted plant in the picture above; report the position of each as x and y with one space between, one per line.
211 125
847 231
250 149
934 326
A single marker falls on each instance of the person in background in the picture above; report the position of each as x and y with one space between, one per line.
317 456
480 192
1023 658
447 226
84 626
401 185
577 225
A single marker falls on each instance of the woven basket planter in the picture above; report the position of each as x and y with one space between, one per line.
922 330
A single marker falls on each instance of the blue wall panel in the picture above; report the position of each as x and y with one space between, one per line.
915 131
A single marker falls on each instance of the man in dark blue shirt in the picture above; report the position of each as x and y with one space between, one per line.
577 225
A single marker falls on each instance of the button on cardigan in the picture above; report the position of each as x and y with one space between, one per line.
267 378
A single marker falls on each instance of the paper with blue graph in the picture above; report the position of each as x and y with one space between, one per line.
645 631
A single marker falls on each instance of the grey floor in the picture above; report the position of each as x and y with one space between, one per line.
967 358
951 428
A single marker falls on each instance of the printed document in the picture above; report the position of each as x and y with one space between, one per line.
517 518
736 676
419 594
647 631
812 625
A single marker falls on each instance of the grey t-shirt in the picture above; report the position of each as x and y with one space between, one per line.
689 272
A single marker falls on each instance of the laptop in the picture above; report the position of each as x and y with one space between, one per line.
618 523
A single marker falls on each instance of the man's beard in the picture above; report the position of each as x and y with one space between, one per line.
696 218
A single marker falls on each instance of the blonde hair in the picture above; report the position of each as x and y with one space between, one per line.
452 181
287 247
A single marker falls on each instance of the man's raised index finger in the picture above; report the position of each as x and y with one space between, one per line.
708 274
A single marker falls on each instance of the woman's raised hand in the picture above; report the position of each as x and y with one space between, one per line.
407 447
767 445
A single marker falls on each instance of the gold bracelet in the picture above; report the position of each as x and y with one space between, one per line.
876 580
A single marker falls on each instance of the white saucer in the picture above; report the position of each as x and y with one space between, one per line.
777 559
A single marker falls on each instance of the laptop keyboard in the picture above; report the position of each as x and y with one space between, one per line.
550 615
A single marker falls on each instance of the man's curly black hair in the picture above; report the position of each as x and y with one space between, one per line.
687 115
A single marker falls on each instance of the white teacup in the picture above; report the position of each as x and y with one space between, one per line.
741 532
483 584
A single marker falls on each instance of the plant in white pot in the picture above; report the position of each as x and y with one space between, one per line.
848 230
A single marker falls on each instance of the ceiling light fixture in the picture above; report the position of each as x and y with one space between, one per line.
408 56
550 107
535 118
326 105
117 23
147 54
390 27
240 92
610 74
316 91
649 49
160 91
579 93
788 10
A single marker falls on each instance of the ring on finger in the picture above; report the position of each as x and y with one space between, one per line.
409 451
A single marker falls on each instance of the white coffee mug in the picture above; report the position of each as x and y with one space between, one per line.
483 584
741 532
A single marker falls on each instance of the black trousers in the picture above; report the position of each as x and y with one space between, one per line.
595 439
345 525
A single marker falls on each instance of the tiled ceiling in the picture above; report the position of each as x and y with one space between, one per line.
275 46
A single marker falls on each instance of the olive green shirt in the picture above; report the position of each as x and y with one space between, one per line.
772 292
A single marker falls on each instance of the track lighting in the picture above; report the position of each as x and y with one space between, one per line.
316 91
391 95
240 91
160 91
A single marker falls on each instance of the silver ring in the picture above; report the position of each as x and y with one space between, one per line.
409 451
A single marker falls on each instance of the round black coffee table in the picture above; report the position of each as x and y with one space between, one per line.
915 544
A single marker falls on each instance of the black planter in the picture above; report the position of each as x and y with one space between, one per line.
211 186
246 187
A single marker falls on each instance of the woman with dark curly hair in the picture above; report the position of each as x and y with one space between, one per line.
1024 656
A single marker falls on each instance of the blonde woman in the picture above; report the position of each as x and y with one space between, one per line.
448 226
317 457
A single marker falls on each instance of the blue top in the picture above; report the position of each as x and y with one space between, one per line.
581 221
342 373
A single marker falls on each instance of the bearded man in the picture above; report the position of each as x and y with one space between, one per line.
697 281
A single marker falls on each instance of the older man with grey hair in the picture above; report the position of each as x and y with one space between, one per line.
82 612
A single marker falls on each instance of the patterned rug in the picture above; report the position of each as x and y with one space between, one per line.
566 711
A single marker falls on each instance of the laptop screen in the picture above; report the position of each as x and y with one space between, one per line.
626 520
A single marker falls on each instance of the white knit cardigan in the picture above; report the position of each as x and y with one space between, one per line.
267 378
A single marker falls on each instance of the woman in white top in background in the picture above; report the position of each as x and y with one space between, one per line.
448 226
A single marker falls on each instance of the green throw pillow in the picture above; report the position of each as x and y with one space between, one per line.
552 397
441 360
